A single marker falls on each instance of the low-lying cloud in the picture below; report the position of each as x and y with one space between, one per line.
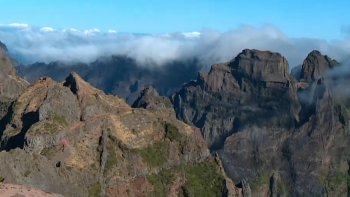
338 79
46 44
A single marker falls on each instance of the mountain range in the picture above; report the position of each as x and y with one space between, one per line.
248 127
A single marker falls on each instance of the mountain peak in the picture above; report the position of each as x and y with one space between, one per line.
261 65
78 85
314 65
150 99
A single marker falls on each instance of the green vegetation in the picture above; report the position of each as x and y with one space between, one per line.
203 179
1 179
161 181
334 180
155 155
48 151
172 133
55 123
95 190
60 120
262 179
111 155
111 158
282 189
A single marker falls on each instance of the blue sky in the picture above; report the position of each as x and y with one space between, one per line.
296 18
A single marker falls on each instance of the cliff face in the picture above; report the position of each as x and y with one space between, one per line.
72 139
283 136
244 91
11 86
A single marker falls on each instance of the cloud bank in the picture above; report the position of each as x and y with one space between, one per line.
46 44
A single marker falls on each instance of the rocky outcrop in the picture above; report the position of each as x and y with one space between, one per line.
3 50
314 65
150 99
265 124
71 138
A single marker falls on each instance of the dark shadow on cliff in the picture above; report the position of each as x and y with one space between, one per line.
4 121
18 141
219 143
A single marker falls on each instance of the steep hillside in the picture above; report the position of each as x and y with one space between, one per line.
72 139
284 136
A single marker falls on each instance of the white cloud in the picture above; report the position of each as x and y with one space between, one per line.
209 46
47 29
192 34
112 31
18 25
91 31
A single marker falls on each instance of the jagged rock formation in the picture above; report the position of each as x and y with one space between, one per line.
314 65
282 136
150 99
72 139
243 91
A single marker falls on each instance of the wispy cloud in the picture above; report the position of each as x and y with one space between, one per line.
31 44
16 25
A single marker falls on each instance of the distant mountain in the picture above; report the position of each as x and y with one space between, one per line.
119 74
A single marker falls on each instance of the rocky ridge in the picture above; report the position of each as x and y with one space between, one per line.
72 139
